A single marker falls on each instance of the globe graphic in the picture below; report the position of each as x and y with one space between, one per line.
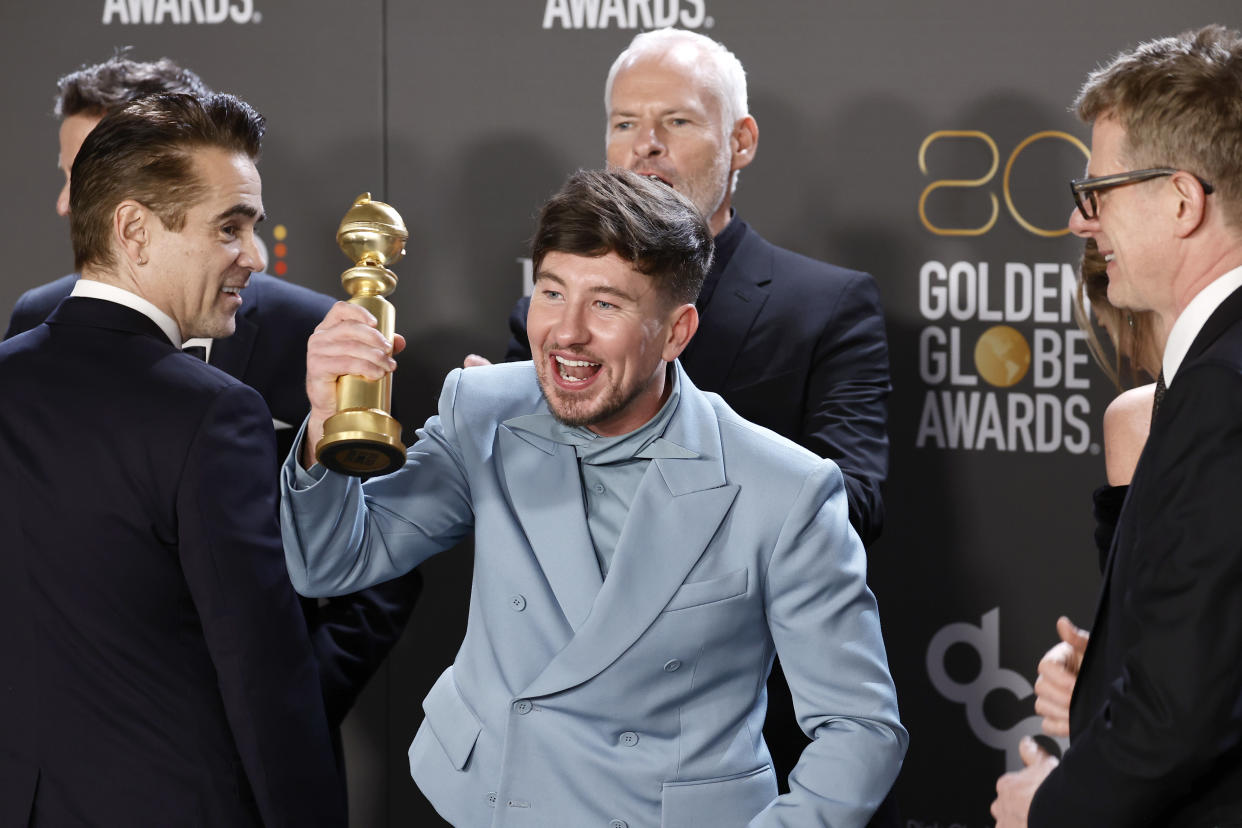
1002 356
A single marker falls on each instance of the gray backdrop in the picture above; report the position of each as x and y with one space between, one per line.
465 116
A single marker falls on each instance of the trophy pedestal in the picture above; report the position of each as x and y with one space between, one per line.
361 443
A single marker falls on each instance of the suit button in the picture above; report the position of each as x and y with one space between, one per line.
672 666
518 603
522 706
629 738
618 823
491 799
599 488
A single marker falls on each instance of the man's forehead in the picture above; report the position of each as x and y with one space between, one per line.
228 179
682 63
607 272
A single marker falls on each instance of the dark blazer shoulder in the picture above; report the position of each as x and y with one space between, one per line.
34 305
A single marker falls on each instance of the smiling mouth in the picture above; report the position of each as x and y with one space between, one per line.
575 370
656 178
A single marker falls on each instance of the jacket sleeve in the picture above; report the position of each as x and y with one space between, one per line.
826 628
341 536
846 415
231 556
1172 718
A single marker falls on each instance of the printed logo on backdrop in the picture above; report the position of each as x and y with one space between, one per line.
991 677
1003 363
157 12
626 14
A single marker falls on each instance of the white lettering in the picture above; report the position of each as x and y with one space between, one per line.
115 7
665 13
693 21
1044 292
1076 405
217 11
243 13
961 414
1016 272
933 367
640 14
958 376
613 9
554 11
1046 358
930 426
1020 421
962 291
932 298
192 10
170 8
1047 423
986 314
990 427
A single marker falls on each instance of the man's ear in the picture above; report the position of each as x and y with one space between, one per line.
743 142
131 230
1191 209
685 321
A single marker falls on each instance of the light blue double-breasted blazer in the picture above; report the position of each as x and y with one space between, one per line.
636 700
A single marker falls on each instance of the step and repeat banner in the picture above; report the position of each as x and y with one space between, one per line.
928 144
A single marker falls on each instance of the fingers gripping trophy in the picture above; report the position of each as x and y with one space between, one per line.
362 438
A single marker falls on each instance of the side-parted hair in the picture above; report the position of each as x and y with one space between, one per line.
1180 102
724 66
106 87
644 222
145 152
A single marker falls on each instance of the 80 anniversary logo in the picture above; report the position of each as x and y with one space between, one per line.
972 342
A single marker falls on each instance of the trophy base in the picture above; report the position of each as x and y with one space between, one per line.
361 443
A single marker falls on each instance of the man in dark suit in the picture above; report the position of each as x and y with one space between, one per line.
1156 714
351 635
793 344
157 669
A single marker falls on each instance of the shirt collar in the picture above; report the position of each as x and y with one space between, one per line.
645 442
1194 317
92 289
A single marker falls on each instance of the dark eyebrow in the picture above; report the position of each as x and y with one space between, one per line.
607 290
240 209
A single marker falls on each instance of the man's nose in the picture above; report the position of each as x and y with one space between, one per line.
649 142
62 201
1080 226
570 328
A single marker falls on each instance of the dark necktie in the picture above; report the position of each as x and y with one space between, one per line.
196 351
1160 389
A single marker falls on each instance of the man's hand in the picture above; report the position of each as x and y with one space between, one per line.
345 342
1058 672
1015 790
474 361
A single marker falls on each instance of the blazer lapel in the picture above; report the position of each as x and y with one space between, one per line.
677 510
734 306
545 491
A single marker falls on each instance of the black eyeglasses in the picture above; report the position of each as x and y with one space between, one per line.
1084 189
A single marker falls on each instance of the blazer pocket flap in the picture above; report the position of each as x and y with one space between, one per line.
451 719
697 593
712 802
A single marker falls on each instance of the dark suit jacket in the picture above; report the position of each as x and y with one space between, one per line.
1156 716
351 635
157 670
797 346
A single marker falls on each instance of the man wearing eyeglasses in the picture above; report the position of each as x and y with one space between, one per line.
1156 714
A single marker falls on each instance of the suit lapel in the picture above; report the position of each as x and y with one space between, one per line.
232 354
545 491
676 511
735 304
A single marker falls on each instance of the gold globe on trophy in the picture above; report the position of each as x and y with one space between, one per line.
362 438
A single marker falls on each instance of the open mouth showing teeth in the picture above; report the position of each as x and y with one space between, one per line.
576 370
228 289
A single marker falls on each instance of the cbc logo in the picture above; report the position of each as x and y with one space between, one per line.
968 183
985 641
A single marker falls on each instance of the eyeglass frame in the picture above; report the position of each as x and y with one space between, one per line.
1090 186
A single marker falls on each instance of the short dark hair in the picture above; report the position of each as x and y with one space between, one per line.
645 222
106 87
1180 102
144 152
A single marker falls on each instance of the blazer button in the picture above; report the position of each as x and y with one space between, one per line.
522 706
518 603
618 823
491 799
629 738
672 666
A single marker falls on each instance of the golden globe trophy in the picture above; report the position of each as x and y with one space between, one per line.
362 438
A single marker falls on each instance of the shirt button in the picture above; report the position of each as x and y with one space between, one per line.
518 603
618 823
599 488
629 738
522 706
672 666
491 799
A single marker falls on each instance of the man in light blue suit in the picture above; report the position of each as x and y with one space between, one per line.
641 553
